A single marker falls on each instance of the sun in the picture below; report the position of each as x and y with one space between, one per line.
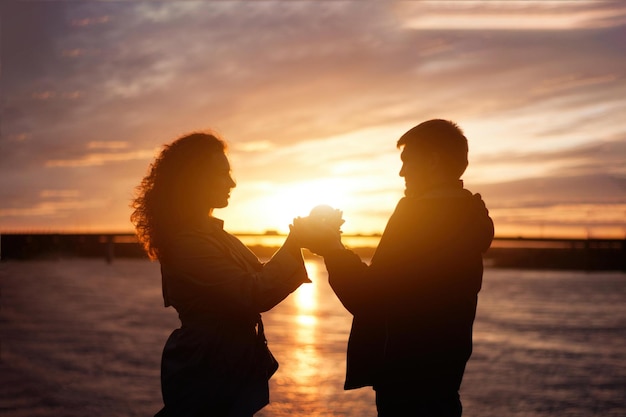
293 200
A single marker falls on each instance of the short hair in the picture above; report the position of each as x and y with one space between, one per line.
442 137
169 187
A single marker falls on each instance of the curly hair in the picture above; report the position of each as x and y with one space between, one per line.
166 193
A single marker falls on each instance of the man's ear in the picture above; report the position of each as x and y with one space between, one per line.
438 167
434 162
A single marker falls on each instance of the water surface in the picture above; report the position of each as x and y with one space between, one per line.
83 338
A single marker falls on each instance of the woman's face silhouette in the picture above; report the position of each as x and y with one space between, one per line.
219 183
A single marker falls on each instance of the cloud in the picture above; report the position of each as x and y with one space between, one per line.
59 193
576 206
95 159
113 145
63 208
510 15
599 189
572 81
255 146
89 21
589 159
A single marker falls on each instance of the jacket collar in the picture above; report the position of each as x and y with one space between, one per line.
211 224
444 190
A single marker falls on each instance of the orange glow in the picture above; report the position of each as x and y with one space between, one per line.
297 200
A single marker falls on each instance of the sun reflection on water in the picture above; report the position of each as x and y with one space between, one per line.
307 356
306 298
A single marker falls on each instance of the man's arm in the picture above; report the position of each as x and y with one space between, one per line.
348 277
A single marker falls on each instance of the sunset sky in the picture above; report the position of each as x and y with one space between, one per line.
311 97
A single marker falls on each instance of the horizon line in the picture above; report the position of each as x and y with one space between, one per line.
275 233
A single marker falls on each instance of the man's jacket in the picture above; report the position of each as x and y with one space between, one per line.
414 304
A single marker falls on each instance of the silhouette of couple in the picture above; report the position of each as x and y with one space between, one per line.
413 306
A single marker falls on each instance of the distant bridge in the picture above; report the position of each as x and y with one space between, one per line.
540 253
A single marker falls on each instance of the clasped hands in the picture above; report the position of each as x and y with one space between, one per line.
320 231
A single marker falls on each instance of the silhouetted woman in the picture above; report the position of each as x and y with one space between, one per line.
217 363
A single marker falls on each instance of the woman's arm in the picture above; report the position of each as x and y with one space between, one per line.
221 271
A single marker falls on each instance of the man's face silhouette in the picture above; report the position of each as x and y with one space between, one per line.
419 169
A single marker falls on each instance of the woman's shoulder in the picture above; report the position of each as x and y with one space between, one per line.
192 241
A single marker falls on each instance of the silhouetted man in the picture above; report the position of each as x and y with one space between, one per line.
414 305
